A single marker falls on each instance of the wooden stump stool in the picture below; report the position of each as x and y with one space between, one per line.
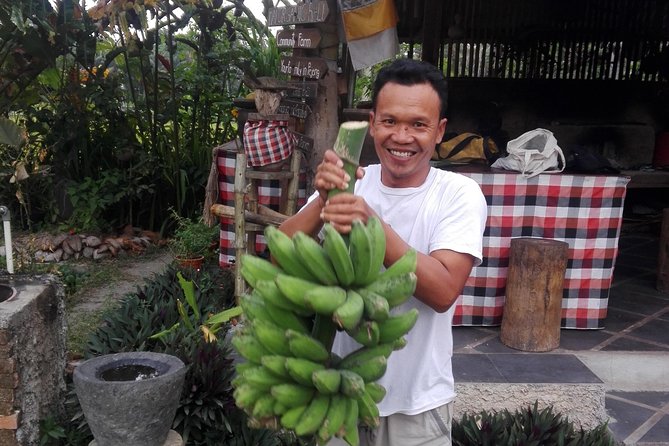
534 285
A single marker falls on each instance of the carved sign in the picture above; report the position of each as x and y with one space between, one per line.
294 108
301 89
308 12
306 67
298 38
303 143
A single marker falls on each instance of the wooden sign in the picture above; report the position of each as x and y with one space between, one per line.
294 108
298 38
304 143
306 67
301 89
308 12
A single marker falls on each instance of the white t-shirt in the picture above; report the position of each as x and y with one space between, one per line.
447 212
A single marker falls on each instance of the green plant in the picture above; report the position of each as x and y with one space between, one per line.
192 237
51 432
528 426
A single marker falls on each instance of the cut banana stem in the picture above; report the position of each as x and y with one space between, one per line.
348 146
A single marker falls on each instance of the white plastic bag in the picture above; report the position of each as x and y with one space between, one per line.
532 153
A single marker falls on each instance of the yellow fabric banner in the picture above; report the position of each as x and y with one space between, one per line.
365 18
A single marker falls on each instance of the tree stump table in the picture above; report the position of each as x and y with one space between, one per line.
534 286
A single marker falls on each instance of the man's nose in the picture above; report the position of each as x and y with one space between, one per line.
403 133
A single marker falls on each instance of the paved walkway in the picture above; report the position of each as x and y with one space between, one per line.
630 355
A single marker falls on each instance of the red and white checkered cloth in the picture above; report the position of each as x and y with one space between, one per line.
583 210
269 194
267 141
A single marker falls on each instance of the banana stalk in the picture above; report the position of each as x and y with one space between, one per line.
348 146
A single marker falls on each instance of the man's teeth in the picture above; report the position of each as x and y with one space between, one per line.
400 154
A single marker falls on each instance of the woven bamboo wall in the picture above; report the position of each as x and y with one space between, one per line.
549 39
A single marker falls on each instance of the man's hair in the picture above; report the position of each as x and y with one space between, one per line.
412 72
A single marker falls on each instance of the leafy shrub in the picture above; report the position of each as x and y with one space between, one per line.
207 414
528 427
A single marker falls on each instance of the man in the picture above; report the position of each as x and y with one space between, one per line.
441 214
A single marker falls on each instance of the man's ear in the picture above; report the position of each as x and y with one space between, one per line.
441 129
371 123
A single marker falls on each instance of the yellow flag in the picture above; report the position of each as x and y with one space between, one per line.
364 18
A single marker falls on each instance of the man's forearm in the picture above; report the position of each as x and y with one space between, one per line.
308 220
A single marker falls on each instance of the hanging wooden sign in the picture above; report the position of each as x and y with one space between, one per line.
301 89
294 108
308 12
298 38
306 67
304 143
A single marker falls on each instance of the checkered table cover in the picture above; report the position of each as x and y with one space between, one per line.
269 194
583 210
267 141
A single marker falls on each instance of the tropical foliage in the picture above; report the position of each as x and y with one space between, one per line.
120 102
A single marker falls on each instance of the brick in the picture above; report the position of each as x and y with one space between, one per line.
10 421
5 351
8 366
8 438
7 396
9 380
5 337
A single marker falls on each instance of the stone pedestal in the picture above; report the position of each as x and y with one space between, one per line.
173 439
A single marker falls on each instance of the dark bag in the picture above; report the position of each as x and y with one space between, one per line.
581 159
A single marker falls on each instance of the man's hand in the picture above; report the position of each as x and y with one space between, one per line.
342 209
330 175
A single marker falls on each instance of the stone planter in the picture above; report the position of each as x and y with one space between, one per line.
130 398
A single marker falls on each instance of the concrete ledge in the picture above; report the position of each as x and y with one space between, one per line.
583 404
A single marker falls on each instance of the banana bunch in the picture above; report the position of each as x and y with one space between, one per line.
290 379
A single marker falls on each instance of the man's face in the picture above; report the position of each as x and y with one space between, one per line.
406 127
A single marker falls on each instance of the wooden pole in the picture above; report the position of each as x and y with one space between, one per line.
662 284
534 285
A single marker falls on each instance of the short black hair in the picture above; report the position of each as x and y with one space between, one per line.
412 72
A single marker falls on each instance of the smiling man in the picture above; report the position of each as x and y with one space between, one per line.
441 214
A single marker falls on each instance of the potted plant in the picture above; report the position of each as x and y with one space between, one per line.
192 241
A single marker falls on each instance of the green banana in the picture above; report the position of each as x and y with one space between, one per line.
301 370
294 289
279 408
368 412
348 315
314 258
283 251
376 391
246 395
397 326
352 384
291 416
334 419
370 370
271 294
240 367
313 417
276 364
360 248
292 395
304 346
396 289
365 354
349 431
249 348
271 337
376 306
262 378
254 268
336 248
378 237
287 319
326 381
405 264
253 307
367 333
399 343
264 406
325 299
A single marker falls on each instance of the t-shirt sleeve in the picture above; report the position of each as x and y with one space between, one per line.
461 219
